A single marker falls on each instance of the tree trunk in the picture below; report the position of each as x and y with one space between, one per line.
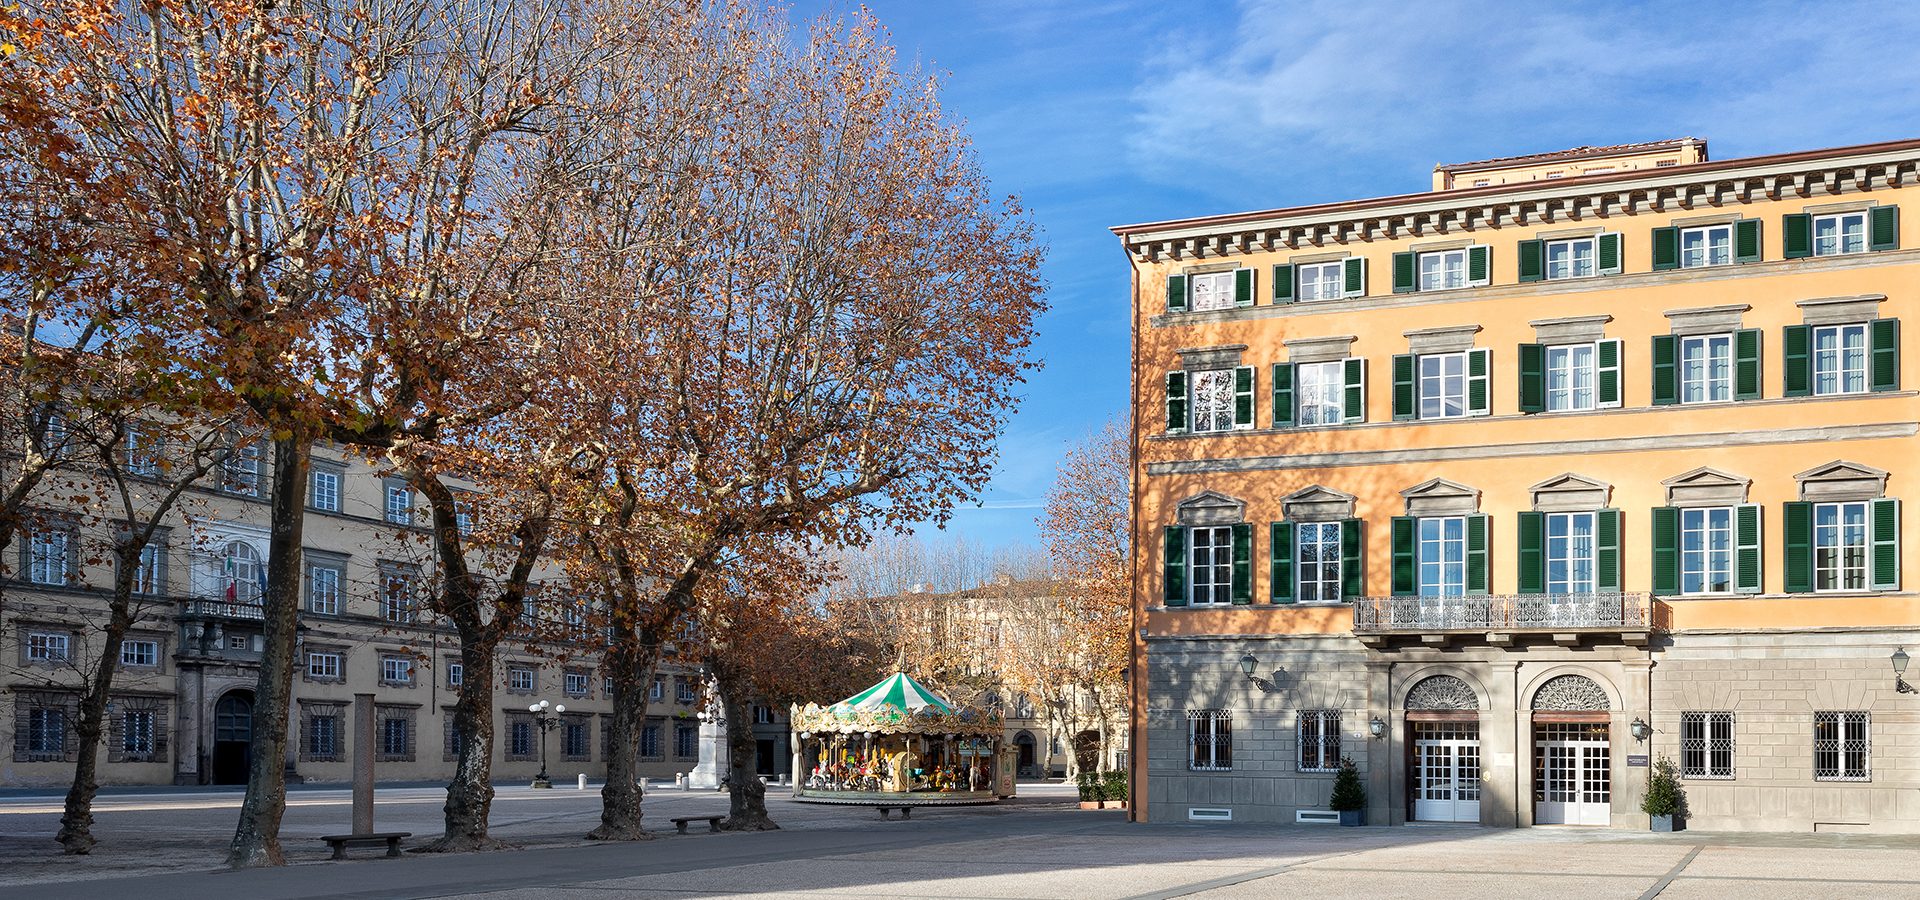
621 797
256 840
747 794
76 823
470 792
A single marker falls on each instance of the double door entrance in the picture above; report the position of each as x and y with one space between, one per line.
1572 774
1446 771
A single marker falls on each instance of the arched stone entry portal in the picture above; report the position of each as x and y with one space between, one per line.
1443 724
1572 753
232 737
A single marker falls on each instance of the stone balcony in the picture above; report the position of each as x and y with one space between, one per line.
1624 617
224 609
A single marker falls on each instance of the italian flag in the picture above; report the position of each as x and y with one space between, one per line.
233 589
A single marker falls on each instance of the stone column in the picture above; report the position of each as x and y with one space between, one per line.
1386 805
363 763
1501 760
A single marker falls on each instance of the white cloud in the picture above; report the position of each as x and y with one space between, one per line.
1298 96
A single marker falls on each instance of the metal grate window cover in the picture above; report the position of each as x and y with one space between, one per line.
1319 734
1210 736
1841 746
1706 745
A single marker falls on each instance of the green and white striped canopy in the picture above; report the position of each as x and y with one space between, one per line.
900 690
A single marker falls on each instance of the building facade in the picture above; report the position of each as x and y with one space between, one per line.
1509 489
182 707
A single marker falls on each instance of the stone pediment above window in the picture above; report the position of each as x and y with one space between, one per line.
1842 480
1570 492
1440 497
1200 359
1706 486
1212 508
1317 504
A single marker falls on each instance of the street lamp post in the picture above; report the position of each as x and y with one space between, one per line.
545 723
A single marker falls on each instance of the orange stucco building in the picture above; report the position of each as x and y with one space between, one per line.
1508 489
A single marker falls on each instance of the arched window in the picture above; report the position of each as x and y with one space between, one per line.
241 574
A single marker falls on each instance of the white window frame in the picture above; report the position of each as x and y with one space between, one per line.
1448 272
1317 579
1710 376
1849 741
323 665
45 646
1319 393
1564 382
520 679
1841 548
1715 250
399 505
396 670
1841 241
241 567
1329 280
1706 745
658 691
1210 740
146 571
1435 553
685 691
1207 558
1210 291
1432 388
1571 264
396 597
1707 561
326 490
240 471
323 590
49 559
576 684
1211 405
140 459
1317 740
139 653
456 674
1576 554
1846 366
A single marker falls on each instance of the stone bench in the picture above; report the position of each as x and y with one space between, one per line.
906 812
339 842
713 822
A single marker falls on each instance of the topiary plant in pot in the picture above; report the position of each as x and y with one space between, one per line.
1090 789
1114 789
1349 795
1665 801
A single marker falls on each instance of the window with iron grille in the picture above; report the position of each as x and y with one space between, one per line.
320 732
136 731
1841 746
1319 731
395 743
650 742
46 732
451 737
1210 735
686 740
1706 745
519 737
574 739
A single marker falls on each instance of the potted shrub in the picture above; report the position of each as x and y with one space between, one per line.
1090 789
1349 795
1114 783
1664 800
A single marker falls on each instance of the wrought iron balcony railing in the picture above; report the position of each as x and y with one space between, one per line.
1612 609
229 609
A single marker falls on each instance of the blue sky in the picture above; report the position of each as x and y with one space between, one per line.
1108 113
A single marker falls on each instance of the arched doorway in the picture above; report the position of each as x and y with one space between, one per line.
1444 720
232 737
1572 753
1024 743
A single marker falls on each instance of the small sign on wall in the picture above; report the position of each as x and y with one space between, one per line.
1640 761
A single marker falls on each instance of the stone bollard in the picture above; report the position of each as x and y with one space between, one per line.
583 781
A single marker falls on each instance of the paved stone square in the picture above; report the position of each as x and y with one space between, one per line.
164 844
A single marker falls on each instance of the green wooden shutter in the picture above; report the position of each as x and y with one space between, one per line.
1176 293
1282 395
1883 228
1609 252
1479 382
1243 397
1884 562
1479 265
1606 549
1176 565
1242 564
1607 368
1280 579
1479 552
1666 248
1884 366
1353 277
1533 261
1533 378
1796 235
1747 533
1243 287
1176 403
1746 241
1796 361
1405 277
1746 364
1533 553
1666 550
1406 398
1283 283
1405 575
1666 369
1353 400
1796 527
1353 567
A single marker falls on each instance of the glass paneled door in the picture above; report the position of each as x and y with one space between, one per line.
1446 771
1572 774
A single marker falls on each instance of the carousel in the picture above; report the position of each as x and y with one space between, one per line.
898 742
